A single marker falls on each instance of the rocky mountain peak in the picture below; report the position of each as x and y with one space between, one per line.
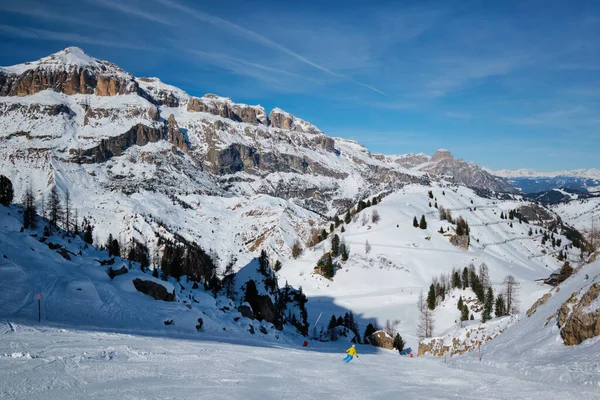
284 120
70 71
441 154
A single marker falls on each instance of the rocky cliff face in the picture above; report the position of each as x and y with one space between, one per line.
442 163
224 107
69 71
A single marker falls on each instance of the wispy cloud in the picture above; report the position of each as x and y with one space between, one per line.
43 34
136 12
35 11
258 38
553 117
244 67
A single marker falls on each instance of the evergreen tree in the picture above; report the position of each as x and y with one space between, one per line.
343 251
423 223
347 218
431 300
336 221
323 234
29 213
331 328
500 306
530 233
277 266
331 228
369 331
398 343
88 234
456 283
472 317
342 229
415 222
325 263
488 305
335 245
465 278
109 244
54 206
6 191
465 313
441 230
367 247
460 303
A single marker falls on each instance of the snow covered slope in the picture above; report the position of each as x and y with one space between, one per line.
46 363
580 213
77 291
534 349
385 283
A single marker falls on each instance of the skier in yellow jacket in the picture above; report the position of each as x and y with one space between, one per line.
351 353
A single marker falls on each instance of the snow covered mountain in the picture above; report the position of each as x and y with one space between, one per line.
530 181
442 163
589 173
129 149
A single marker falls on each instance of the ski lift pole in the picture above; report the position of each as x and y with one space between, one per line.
39 307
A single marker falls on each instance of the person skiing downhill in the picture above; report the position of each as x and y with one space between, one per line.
351 353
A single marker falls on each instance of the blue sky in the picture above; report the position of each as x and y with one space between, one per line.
511 84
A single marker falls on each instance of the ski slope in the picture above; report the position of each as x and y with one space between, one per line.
41 362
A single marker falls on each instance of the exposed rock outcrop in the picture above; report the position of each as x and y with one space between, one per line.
225 108
539 302
578 322
175 136
153 289
139 135
246 311
116 272
382 339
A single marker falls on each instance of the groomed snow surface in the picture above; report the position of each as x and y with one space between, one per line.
68 364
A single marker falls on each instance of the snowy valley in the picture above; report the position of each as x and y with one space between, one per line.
221 213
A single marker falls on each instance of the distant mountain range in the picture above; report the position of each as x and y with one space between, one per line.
586 181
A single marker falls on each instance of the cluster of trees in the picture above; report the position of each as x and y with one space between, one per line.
339 248
420 224
511 215
445 214
287 300
339 251
347 322
182 257
556 242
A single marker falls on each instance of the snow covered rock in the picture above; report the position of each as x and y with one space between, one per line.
154 289
382 339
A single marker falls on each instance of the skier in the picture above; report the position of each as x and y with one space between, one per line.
351 353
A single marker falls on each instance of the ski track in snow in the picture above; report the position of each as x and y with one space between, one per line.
67 364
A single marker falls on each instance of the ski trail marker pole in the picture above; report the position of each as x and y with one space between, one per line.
39 308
